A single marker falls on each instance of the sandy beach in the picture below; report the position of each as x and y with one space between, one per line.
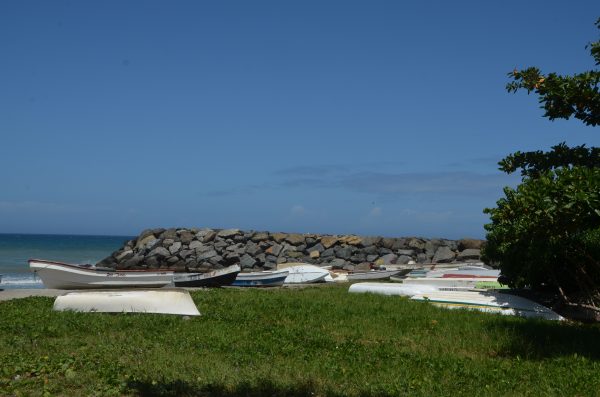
8 294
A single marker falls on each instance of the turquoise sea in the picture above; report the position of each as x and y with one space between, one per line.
16 249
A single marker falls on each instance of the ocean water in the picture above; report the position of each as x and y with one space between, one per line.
16 249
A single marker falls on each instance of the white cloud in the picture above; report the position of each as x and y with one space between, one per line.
298 210
375 212
18 206
15 207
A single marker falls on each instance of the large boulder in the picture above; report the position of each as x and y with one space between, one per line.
295 239
469 243
186 237
443 255
278 237
228 233
389 259
343 252
160 251
170 234
247 262
176 246
351 240
143 242
209 236
123 256
469 254
328 241
260 236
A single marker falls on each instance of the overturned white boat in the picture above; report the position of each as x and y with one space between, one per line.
451 282
162 301
488 301
391 289
305 274
461 298
465 272
59 275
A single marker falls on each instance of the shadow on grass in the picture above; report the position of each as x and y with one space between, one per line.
544 339
264 388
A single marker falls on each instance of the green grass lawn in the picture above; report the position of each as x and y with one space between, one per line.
293 342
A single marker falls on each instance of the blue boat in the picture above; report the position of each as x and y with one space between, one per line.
261 279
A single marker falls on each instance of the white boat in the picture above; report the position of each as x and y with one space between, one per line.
482 283
164 301
454 270
391 289
261 279
465 272
493 302
373 275
65 276
305 274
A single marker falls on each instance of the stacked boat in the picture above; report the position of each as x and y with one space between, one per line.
467 287
121 291
468 276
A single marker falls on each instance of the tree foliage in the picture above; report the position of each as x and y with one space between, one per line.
535 163
563 97
546 232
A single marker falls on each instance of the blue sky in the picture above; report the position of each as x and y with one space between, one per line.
338 117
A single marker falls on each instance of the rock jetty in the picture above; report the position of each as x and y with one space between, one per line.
193 249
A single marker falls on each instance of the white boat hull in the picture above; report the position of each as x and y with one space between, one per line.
64 276
492 302
465 272
163 301
373 275
305 274
453 282
391 289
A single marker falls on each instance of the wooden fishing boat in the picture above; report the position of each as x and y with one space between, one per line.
67 276
163 301
261 279
216 278
488 301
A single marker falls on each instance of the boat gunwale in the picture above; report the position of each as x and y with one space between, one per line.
92 270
